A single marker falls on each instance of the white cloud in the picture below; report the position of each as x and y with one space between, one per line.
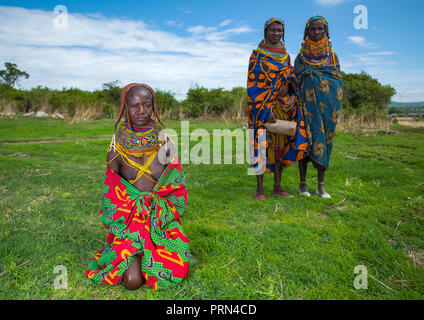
225 23
361 41
357 40
329 3
382 65
95 50
409 95
408 87
373 58
226 34
211 33
380 53
201 29
185 10
371 62
173 23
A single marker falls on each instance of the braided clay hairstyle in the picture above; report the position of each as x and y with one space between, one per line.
308 24
124 94
272 20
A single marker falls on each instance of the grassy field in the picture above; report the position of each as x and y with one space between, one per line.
300 248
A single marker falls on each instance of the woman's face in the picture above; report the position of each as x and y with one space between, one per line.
274 32
140 108
316 30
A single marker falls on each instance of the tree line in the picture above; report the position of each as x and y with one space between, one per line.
361 94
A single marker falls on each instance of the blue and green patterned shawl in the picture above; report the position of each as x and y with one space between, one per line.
321 90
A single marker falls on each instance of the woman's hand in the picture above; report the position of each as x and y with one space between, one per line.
271 118
291 103
283 91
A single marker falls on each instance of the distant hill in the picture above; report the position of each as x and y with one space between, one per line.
406 105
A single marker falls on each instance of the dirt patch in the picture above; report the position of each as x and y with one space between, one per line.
414 124
341 208
404 118
417 257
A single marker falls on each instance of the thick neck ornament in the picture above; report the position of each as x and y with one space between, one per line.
275 51
316 53
138 141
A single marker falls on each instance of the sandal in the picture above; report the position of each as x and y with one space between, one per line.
324 195
282 193
260 197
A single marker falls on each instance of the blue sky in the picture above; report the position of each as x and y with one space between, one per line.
178 44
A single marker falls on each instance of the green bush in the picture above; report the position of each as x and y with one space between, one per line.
167 104
202 101
362 93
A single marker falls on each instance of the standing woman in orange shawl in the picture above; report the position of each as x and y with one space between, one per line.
272 94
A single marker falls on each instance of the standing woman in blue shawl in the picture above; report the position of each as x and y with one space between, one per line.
320 83
272 94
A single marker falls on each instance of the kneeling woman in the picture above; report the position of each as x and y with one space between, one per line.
143 197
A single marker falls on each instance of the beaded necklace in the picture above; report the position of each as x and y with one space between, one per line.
275 51
316 53
137 141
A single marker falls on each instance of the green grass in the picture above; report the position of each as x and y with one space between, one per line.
299 248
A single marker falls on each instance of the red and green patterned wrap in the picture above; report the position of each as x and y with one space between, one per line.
145 223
